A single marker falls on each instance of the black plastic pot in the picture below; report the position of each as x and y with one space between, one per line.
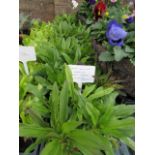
124 150
35 152
23 144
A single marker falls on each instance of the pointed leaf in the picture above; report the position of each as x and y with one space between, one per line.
70 126
64 103
69 79
53 147
88 90
26 130
54 104
101 93
93 113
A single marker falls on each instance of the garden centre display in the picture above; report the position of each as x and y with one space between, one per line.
61 113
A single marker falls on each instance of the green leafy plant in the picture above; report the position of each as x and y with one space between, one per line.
81 123
52 38
52 109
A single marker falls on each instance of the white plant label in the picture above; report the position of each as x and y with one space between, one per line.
26 53
82 74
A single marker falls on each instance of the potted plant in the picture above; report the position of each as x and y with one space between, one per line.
113 53
54 113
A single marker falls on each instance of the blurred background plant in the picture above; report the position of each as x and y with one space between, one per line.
123 16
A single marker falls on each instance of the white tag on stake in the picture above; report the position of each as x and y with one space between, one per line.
82 74
26 53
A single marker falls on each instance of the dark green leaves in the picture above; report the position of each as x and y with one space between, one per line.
119 53
106 56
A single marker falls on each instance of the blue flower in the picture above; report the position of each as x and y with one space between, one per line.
130 19
115 34
91 2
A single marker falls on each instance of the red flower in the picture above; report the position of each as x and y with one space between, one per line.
99 9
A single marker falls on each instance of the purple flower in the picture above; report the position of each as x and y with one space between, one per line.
115 34
91 2
130 19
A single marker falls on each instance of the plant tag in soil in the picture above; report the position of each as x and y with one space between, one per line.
82 74
26 53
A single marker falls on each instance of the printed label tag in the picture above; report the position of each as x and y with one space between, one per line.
26 53
82 73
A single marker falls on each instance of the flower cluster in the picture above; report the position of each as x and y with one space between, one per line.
99 10
75 4
115 34
91 2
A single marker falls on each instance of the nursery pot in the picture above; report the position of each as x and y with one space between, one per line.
23 144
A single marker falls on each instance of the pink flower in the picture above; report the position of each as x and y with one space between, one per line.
113 1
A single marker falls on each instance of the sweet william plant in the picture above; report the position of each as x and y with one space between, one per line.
84 123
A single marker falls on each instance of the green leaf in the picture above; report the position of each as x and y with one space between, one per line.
100 93
122 111
89 151
35 90
69 79
129 49
36 118
106 56
77 56
69 126
107 146
119 54
107 116
84 59
63 113
93 113
88 90
119 128
123 123
67 58
54 147
88 22
87 139
40 108
97 25
54 105
34 131
111 98
43 81
129 142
